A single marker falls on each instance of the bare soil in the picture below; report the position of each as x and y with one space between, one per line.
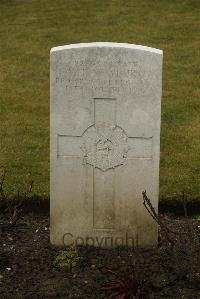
27 271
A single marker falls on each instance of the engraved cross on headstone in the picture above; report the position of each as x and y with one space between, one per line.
105 146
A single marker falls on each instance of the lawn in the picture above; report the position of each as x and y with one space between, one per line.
29 29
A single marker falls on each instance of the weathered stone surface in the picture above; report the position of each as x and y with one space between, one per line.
105 143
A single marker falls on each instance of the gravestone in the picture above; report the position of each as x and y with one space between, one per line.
105 143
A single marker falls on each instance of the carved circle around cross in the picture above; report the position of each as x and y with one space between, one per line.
105 147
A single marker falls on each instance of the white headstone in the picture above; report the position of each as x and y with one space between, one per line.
105 143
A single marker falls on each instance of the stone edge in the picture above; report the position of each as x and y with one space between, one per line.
107 44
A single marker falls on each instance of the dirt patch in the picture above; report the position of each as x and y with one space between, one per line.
27 271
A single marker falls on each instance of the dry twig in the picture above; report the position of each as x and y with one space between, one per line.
17 211
2 194
148 205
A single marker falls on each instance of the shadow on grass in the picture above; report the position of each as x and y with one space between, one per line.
41 206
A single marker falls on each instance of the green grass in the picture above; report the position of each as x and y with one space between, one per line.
28 29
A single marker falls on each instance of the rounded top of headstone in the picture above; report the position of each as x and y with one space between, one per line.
108 45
